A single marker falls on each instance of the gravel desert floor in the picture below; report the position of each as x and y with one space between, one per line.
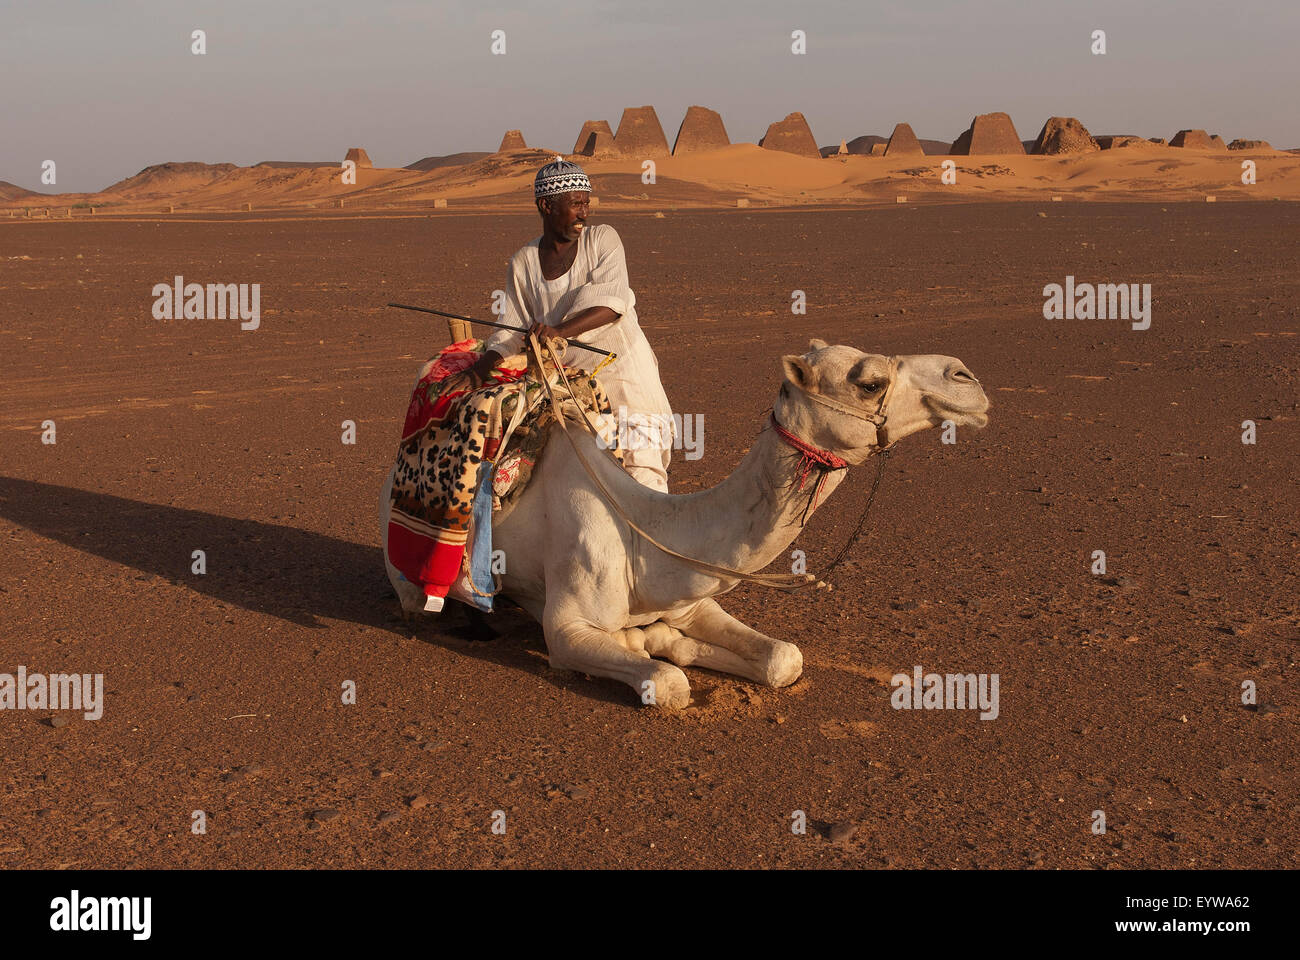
1120 692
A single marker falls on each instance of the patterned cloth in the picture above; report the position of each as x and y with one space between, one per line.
560 176
450 442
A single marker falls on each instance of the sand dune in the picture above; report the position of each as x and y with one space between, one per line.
1130 169
9 191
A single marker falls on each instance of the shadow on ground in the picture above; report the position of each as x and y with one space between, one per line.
295 575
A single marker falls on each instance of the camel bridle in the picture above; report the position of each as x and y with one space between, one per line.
779 581
877 418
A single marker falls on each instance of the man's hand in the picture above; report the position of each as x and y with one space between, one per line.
544 332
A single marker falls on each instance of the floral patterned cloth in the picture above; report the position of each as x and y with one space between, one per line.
449 441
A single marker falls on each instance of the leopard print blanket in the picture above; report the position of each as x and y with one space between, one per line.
451 442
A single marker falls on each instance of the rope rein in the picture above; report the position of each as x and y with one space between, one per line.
810 457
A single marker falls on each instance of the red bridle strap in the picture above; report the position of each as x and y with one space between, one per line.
808 457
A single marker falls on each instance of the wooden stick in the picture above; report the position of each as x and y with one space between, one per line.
489 323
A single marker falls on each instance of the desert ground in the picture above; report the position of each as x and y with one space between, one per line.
1119 693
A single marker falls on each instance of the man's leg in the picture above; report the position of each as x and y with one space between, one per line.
647 440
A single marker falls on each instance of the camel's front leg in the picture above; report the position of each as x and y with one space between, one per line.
661 640
580 645
773 662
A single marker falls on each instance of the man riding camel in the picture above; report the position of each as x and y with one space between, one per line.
572 282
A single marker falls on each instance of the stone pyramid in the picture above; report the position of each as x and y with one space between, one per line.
989 133
513 140
903 142
359 156
1064 135
640 135
701 129
595 138
1192 140
791 135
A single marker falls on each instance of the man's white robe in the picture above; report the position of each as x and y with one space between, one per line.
598 278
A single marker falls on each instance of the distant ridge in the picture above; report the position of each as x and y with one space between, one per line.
296 164
449 160
161 176
862 146
10 191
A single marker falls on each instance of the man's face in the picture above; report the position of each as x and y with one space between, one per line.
565 214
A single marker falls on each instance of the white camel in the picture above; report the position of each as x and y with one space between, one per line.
609 602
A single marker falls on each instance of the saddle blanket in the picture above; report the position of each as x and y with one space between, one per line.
460 460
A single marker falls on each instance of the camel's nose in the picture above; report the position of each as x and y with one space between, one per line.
959 373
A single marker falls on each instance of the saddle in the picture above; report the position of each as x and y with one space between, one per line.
465 459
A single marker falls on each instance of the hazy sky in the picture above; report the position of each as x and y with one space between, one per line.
107 87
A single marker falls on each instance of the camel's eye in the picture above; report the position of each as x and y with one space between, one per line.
871 388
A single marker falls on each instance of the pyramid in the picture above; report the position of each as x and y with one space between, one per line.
1064 135
1192 140
843 151
1240 144
640 135
878 149
1158 141
359 156
791 135
1218 142
701 129
595 136
599 144
989 133
513 140
903 142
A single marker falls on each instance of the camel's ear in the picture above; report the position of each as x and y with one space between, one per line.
815 344
799 371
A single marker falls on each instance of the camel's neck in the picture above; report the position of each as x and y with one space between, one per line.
756 513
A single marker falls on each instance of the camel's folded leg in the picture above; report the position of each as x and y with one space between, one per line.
773 662
670 643
576 645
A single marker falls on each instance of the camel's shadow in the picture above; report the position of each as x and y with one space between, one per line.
295 575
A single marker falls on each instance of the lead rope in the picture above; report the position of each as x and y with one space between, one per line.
777 581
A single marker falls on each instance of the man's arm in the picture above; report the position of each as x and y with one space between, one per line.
578 323
605 297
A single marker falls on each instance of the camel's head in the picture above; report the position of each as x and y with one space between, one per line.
832 394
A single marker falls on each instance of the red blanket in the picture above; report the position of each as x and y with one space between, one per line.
446 440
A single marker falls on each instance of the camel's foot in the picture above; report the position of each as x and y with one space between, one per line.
783 664
664 686
775 663
600 653
711 637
